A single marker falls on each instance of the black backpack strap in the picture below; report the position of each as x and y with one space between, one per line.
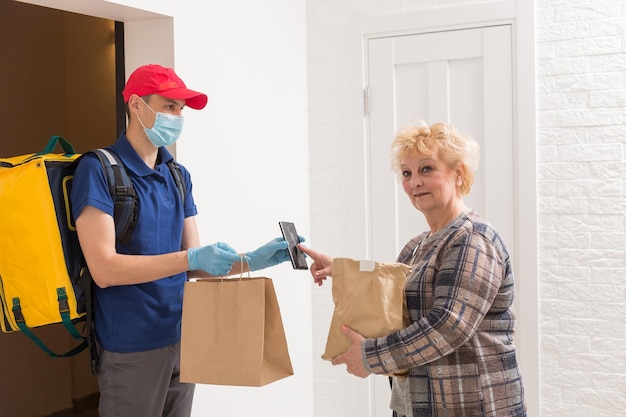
178 178
125 218
86 282
123 193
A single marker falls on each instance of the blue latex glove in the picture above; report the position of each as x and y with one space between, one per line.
272 253
216 259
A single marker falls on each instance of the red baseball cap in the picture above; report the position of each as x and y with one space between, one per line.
155 79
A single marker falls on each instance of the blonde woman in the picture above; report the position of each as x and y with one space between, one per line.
459 347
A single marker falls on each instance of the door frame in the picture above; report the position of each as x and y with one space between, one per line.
520 15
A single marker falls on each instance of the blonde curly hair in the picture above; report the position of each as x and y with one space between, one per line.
442 142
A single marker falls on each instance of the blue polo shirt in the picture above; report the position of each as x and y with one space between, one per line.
133 318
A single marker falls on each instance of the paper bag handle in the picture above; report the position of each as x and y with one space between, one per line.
242 260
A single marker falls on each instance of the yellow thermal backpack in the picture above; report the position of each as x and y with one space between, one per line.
43 274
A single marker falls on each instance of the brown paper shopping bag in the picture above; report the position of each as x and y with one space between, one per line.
369 298
232 333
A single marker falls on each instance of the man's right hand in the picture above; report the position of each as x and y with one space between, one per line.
216 259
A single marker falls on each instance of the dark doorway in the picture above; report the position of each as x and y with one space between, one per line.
62 74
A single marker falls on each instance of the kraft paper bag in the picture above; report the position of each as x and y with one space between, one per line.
369 298
232 333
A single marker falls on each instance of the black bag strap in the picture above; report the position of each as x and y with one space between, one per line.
125 218
178 178
123 193
85 282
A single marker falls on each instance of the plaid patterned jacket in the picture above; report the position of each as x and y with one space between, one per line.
459 348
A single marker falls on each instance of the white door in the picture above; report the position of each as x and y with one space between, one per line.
462 77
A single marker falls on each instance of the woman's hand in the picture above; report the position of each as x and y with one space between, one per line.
352 357
321 267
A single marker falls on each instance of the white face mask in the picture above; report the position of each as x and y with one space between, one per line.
166 130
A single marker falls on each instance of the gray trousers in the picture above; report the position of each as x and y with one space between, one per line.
143 384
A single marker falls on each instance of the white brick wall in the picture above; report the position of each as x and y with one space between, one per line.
582 206
582 192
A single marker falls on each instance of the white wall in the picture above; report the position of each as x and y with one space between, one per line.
248 155
582 212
